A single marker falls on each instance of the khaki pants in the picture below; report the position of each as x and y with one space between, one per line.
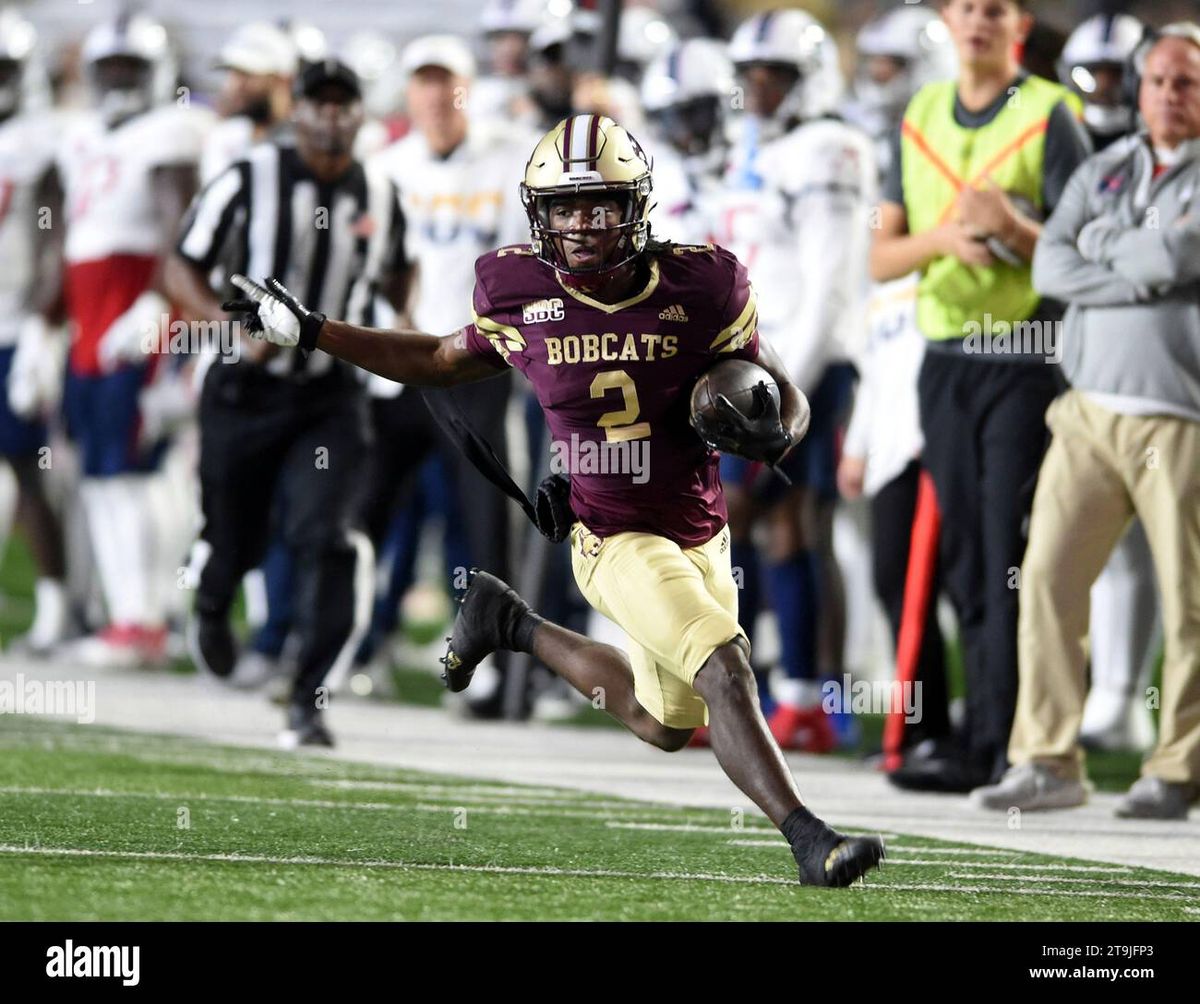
677 605
1102 468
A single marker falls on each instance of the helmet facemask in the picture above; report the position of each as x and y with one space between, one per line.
551 244
124 86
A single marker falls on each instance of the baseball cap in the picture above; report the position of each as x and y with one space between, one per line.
447 51
258 47
327 71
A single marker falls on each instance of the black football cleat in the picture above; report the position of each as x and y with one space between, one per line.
305 727
490 617
211 644
836 861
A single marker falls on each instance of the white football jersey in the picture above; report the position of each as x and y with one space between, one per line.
885 427
229 140
455 209
677 201
27 147
106 178
797 212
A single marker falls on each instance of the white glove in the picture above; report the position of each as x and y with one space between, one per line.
165 405
135 333
36 374
273 313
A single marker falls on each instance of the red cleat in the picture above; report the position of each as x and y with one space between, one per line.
805 729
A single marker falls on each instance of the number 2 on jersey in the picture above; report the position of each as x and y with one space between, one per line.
621 425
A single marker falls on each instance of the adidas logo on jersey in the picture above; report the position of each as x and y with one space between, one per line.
673 313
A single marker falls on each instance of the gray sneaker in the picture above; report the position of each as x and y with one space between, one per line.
1154 798
1031 786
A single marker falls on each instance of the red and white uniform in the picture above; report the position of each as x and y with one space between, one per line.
113 230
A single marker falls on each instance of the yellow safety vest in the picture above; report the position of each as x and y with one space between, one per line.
940 158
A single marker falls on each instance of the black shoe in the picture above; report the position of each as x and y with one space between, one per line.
491 616
949 774
305 727
835 860
211 644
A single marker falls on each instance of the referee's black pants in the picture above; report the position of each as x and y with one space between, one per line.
985 434
259 432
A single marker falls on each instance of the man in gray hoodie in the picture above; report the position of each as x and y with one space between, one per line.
1123 250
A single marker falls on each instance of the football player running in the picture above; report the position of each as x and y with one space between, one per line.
612 329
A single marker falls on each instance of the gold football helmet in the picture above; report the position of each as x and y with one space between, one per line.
587 154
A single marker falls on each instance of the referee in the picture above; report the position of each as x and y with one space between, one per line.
281 425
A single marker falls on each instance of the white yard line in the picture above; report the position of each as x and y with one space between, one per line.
896 850
1085 881
551 872
264 859
1028 891
320 803
688 827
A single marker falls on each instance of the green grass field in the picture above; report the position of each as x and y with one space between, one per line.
97 824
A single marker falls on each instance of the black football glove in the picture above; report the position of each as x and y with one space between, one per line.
275 314
552 508
763 438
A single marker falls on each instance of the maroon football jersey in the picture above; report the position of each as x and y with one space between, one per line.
615 380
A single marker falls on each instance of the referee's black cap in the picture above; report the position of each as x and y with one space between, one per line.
327 71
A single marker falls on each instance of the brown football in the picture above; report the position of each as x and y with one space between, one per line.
736 379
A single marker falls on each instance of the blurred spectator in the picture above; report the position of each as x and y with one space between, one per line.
255 101
899 52
1123 249
455 177
30 365
980 160
1124 628
794 207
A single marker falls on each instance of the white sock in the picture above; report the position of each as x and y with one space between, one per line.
8 504
135 529
796 693
100 504
51 611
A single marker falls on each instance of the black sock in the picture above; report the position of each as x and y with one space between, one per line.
523 632
801 828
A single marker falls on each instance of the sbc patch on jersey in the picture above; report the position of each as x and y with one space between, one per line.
541 311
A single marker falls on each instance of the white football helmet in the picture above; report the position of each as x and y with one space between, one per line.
23 86
917 37
523 16
795 39
687 94
1104 40
136 37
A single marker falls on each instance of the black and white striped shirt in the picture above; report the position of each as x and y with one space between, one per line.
330 243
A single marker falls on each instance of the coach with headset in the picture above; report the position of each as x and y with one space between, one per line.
979 161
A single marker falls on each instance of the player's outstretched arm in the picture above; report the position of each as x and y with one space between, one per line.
412 357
